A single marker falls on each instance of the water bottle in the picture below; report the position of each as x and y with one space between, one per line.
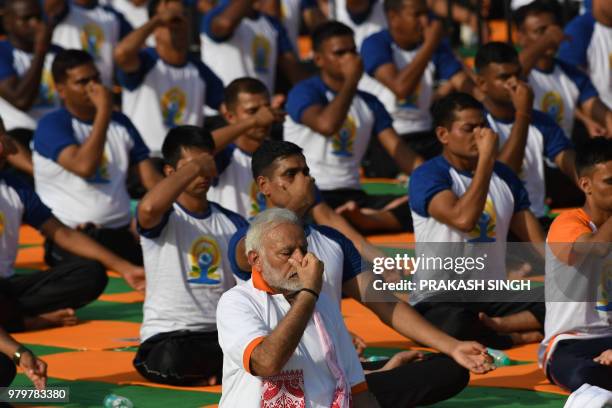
117 401
500 358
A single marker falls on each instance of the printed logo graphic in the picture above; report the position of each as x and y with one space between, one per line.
92 38
484 231
46 94
260 49
343 141
1 223
553 105
101 175
605 288
173 104
204 259
258 200
410 101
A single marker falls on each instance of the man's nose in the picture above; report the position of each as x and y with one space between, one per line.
298 255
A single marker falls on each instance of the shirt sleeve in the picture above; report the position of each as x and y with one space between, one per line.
445 62
231 254
206 25
521 198
304 95
6 61
132 80
581 80
352 265
241 329
376 51
283 41
156 231
580 31
214 85
139 150
382 119
555 140
124 26
35 212
427 181
564 232
53 134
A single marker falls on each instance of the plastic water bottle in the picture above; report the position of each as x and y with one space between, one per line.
117 401
500 358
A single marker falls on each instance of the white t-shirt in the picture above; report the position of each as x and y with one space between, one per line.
544 139
15 62
101 199
187 269
506 196
559 92
160 96
410 114
18 202
246 314
590 47
578 289
252 50
341 259
96 30
334 161
372 22
291 17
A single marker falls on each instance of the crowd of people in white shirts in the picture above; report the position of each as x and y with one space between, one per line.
245 158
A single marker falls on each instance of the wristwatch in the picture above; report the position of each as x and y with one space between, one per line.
17 355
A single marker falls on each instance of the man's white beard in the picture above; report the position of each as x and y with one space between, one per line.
272 276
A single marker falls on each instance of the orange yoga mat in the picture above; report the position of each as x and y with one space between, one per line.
30 236
392 239
525 376
127 297
89 335
31 258
367 325
105 366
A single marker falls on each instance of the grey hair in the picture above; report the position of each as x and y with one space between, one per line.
265 221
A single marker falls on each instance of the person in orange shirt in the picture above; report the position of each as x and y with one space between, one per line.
577 347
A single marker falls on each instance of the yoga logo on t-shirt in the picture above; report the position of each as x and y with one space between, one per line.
92 38
261 53
410 101
46 93
605 288
553 105
1 223
101 175
173 103
204 259
343 141
258 200
484 231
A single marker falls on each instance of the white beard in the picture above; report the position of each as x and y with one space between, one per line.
272 276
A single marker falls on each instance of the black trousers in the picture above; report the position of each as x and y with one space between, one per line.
72 284
460 319
118 240
434 379
7 371
180 357
572 365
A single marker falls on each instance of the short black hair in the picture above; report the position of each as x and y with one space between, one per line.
152 7
495 52
185 136
443 111
328 30
592 152
537 7
270 151
394 5
242 85
66 60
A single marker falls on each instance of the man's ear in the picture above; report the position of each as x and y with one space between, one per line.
61 90
317 59
263 183
584 183
480 82
254 259
227 114
442 134
168 170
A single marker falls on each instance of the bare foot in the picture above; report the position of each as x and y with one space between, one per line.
61 317
493 323
349 206
526 337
